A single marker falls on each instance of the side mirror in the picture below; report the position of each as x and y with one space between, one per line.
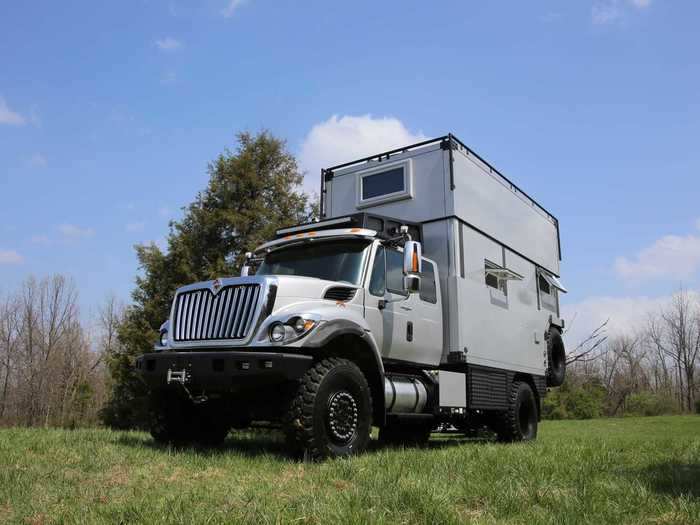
245 269
412 265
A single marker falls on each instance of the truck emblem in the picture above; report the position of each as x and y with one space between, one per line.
216 286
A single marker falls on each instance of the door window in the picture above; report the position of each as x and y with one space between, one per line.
377 283
394 272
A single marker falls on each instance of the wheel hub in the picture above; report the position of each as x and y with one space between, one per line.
342 416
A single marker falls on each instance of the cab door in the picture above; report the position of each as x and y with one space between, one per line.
427 317
393 316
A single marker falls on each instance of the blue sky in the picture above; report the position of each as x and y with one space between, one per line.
109 113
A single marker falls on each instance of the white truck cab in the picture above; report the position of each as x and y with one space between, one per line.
426 294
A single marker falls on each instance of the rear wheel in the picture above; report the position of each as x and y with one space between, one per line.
331 413
519 421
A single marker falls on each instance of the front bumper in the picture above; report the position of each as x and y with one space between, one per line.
221 370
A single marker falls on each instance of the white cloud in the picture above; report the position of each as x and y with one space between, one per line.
341 139
71 231
232 7
10 257
168 44
626 315
611 11
7 116
671 256
37 161
135 226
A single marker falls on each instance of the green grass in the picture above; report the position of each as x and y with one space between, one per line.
636 470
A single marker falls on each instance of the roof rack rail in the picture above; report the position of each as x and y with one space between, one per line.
386 227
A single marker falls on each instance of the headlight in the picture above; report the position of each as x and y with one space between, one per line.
277 332
163 338
301 325
290 330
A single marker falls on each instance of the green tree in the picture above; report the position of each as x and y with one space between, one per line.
251 192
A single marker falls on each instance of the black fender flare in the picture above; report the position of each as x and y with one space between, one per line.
330 330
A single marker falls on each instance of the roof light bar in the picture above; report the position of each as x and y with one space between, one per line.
314 225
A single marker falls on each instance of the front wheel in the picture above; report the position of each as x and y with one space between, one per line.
331 413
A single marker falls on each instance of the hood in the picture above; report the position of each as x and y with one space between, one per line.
306 287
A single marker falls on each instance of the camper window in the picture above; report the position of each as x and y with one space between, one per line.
384 184
548 292
495 277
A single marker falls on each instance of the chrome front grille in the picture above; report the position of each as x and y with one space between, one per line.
199 315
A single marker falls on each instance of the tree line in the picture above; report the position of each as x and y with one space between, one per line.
49 373
651 370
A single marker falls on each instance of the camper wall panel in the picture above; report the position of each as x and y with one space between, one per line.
486 201
533 321
428 187
496 332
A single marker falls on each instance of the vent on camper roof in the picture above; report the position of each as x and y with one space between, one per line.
340 293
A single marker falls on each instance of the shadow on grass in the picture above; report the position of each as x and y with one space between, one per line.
247 444
672 478
271 443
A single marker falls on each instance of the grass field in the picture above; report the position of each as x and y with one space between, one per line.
637 470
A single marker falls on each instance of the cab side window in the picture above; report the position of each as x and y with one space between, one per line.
377 283
428 292
394 272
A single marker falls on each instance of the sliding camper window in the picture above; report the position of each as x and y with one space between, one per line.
494 278
428 290
547 291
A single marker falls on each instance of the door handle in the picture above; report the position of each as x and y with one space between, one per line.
407 308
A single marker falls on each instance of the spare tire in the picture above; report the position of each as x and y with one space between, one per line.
556 358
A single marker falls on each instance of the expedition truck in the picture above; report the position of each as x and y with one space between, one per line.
427 293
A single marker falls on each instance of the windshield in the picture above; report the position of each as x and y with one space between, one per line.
331 260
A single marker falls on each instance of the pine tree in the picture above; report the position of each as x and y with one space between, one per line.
251 193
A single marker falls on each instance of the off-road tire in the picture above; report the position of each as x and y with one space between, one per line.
415 435
556 358
519 421
331 412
